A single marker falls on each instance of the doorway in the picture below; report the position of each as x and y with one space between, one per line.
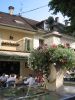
9 67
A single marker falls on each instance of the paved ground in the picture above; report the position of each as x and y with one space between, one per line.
69 89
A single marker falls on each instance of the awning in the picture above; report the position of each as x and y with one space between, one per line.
13 56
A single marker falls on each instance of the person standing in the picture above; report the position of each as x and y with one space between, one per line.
30 81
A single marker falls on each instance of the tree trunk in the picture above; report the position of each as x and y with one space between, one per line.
55 79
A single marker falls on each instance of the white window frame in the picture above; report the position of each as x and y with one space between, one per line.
30 47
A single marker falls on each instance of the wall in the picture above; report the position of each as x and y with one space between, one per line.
67 39
23 70
52 40
35 42
48 41
8 48
56 40
17 35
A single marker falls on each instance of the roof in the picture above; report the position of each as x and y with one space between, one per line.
60 27
57 26
17 21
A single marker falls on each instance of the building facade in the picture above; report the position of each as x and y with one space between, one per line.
19 36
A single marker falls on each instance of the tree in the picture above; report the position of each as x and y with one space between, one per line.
67 8
50 22
51 61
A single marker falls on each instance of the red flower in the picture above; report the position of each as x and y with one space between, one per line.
54 46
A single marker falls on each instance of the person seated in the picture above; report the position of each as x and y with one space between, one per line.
18 81
3 80
30 81
11 80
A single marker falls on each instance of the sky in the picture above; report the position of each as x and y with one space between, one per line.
26 5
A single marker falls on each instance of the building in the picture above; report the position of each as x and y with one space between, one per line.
16 42
19 36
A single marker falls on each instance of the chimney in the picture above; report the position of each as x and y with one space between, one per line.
11 10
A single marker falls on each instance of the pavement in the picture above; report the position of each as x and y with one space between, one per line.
69 89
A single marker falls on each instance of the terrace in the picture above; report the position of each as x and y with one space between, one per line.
35 93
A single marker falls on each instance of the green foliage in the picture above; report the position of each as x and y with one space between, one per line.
66 7
65 57
50 22
41 59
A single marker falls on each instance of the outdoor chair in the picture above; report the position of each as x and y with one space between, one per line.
10 83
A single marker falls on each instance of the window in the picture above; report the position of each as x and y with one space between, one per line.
41 42
19 22
46 26
11 37
28 44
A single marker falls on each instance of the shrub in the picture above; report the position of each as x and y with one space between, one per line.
60 56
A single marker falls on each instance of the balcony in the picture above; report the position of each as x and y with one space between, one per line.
25 45
22 45
8 45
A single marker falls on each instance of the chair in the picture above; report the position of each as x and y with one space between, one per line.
11 83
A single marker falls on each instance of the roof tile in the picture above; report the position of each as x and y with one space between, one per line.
8 19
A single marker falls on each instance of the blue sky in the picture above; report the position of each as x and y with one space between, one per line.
26 5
